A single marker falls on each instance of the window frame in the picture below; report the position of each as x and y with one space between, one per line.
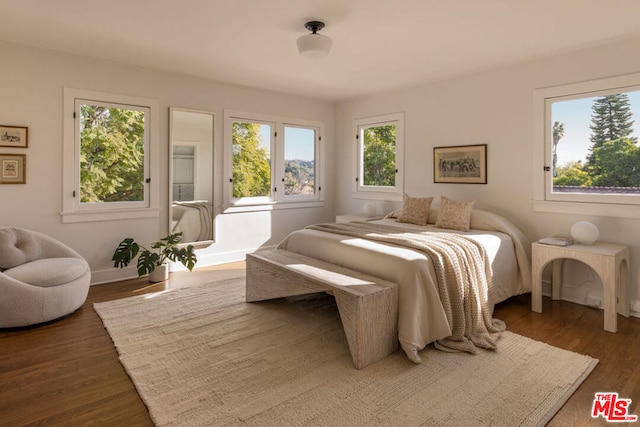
281 142
256 200
277 199
375 192
544 199
73 209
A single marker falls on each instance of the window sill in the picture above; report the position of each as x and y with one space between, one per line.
74 217
228 209
590 209
389 197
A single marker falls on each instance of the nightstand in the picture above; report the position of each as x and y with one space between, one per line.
356 217
609 260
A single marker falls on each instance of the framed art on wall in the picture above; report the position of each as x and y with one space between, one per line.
462 164
14 136
12 168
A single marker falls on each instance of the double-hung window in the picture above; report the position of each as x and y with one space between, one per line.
271 162
586 152
379 157
108 169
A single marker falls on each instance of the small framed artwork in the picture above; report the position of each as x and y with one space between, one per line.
12 168
14 136
462 164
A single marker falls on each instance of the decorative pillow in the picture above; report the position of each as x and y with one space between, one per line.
454 214
415 210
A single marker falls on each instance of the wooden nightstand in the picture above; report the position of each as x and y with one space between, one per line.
609 260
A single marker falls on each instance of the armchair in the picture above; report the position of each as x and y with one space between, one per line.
41 279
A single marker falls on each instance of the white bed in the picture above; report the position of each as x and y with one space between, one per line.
421 316
193 219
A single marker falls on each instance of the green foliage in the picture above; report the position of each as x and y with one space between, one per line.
572 174
299 177
611 120
251 162
111 154
616 164
557 133
379 156
164 249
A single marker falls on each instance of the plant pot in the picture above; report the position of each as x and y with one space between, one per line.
159 274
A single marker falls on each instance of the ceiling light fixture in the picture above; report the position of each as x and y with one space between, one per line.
314 45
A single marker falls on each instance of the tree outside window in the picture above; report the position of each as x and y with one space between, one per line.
112 152
595 146
379 157
251 160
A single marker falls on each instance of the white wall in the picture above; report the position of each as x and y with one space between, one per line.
31 94
493 107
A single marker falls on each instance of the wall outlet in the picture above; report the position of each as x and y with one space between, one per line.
594 302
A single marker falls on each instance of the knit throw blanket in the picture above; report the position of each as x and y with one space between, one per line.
463 273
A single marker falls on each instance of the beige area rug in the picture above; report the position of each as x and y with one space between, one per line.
201 356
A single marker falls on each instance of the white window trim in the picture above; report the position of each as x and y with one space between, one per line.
280 148
72 212
378 193
277 200
622 206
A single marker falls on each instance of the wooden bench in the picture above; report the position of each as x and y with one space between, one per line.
368 306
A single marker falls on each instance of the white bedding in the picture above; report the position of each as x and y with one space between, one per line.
421 317
193 219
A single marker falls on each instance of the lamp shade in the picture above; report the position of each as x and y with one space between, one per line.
585 232
314 45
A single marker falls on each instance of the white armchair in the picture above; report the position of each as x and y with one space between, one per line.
41 279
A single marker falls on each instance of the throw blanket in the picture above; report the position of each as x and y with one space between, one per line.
463 273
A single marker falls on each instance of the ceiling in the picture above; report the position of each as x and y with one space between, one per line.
378 45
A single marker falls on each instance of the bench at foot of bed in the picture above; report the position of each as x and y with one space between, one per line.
368 306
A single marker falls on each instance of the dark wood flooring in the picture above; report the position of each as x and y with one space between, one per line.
67 373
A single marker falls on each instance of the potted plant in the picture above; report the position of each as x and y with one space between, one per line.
153 262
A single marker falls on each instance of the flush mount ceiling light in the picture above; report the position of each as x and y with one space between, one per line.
314 45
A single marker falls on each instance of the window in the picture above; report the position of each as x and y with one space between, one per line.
586 146
379 156
107 157
251 159
271 161
300 162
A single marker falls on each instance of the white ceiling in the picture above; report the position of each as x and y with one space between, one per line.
378 45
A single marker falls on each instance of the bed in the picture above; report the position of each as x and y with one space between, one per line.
193 219
422 318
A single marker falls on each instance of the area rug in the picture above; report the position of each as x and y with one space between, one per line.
201 356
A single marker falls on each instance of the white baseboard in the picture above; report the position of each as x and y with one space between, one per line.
204 260
589 298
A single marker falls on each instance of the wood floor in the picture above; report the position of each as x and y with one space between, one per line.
67 372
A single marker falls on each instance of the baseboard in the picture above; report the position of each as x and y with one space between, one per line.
587 298
204 260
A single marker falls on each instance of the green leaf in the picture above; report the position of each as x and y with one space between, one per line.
125 252
147 262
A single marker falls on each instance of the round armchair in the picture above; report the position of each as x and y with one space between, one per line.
41 279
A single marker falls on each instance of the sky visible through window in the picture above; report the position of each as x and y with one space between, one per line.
576 116
298 146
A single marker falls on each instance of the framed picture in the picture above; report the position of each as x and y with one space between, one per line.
12 168
14 136
463 164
